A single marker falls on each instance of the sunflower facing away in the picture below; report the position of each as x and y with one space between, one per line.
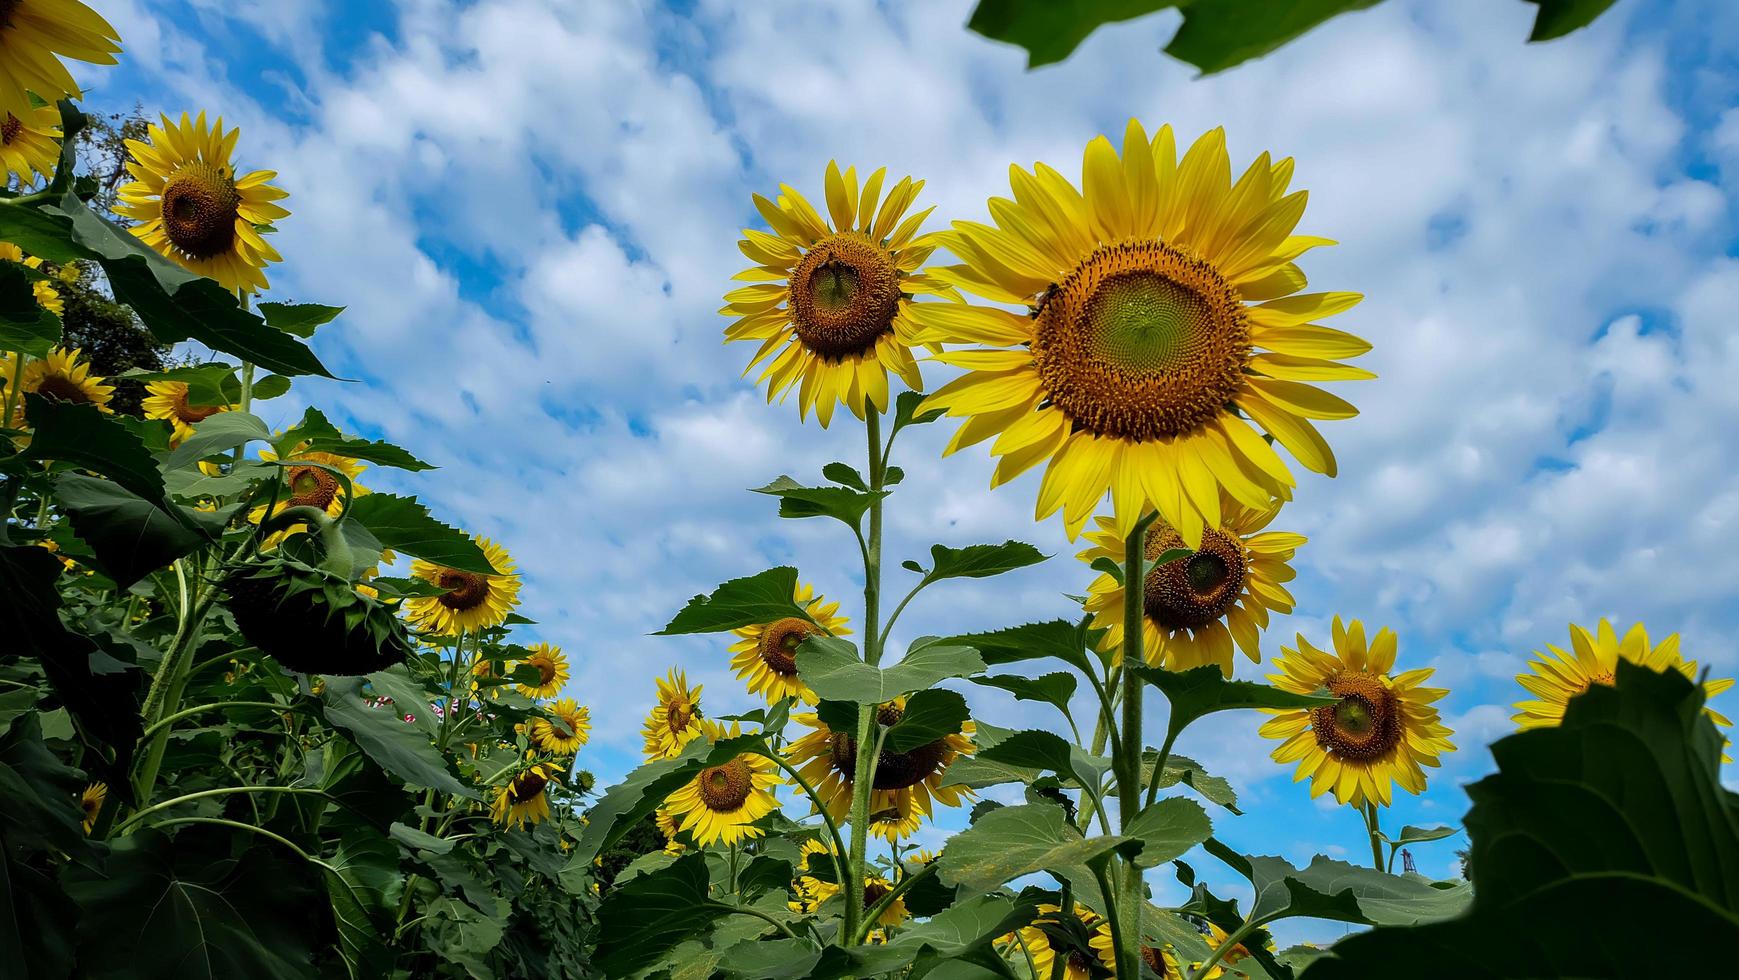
1593 659
473 601
1166 334
828 301
91 801
167 400
667 826
1383 730
813 892
194 208
47 296
62 376
906 783
721 802
29 143
34 36
1078 964
675 720
568 728
766 655
523 799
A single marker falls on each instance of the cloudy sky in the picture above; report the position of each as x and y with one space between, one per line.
530 208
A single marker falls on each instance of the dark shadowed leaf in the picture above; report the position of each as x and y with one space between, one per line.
130 535
24 325
929 715
218 434
84 436
1202 691
653 912
1559 17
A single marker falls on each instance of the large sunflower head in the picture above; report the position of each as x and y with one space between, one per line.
1195 608
1558 676
765 655
194 207
722 802
1078 963
828 300
1382 731
524 798
568 727
675 720
906 784
91 802
62 376
473 600
29 143
1166 334
34 36
168 400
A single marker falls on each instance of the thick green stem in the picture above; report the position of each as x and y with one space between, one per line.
863 776
840 853
1376 835
214 706
13 389
1126 948
165 695
900 888
1132 896
1159 767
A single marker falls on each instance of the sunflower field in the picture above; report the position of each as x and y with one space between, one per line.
260 720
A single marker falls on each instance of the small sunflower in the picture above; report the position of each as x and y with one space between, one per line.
1195 608
194 208
62 376
1163 960
523 799
722 801
766 654
1079 964
907 784
570 728
34 36
1166 334
168 401
552 671
827 302
1593 659
675 720
46 295
1382 731
91 801
813 892
473 601
29 144
667 826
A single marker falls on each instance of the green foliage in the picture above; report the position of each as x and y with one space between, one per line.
24 326
403 524
1007 843
981 560
762 598
1201 691
313 621
840 503
832 668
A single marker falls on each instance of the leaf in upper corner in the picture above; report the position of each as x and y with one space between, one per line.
757 599
1557 18
1050 30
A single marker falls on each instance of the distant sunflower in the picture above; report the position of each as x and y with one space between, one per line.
552 671
1078 964
1164 336
906 783
813 892
1164 962
1559 676
673 845
1195 608
91 801
168 400
194 207
63 376
766 655
523 800
828 302
34 36
1382 731
722 801
46 295
570 728
473 601
29 144
675 720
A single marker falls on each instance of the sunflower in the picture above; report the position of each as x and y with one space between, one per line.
194 208
552 671
1078 965
813 892
675 720
1559 676
1163 961
1195 608
1138 371
62 376
167 400
473 601
906 783
28 143
667 826
722 801
34 36
47 296
570 729
523 799
307 485
828 302
1381 731
91 801
766 654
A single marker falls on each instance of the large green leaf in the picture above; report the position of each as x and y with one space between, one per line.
840 503
1189 772
84 436
218 434
929 715
37 920
1045 751
404 525
24 325
207 384
832 669
1559 17
1220 34
130 535
1610 827
315 434
1055 688
1330 889
1058 638
628 802
981 560
1167 829
765 597
1019 840
363 885
301 319
400 748
1202 691
653 912
41 793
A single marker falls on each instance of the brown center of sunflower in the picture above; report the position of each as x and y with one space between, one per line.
1190 593
1154 957
873 892
9 129
779 642
60 388
7 9
844 295
92 806
311 486
526 786
725 788
465 590
1141 341
546 672
1364 725
193 414
200 204
894 770
677 715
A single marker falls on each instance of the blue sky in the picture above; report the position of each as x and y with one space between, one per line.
530 207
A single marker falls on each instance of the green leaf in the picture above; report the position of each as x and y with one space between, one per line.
981 560
207 384
627 803
399 748
833 670
363 885
24 325
301 319
1219 34
193 484
1416 835
1330 889
845 475
1046 752
130 535
42 794
643 917
1182 769
218 434
1054 688
417 840
1201 691
315 434
1034 641
1050 30
929 715
1559 17
906 411
1018 840
764 873
840 503
39 919
756 599
269 387
84 436
404 525
1168 829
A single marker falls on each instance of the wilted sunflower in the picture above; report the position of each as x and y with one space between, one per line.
62 376
828 302
46 295
1195 608
1593 659
473 601
1079 964
167 400
193 208
675 720
552 671
34 36
91 801
29 143
523 799
813 893
766 655
906 784
1382 731
570 728
722 801
1162 306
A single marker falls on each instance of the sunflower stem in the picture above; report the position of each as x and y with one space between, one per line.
882 904
166 688
864 772
206 794
1131 895
1376 835
214 706
840 852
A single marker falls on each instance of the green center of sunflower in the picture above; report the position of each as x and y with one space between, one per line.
200 206
311 486
1190 593
725 788
778 644
1141 341
1364 725
526 786
9 129
60 388
465 590
844 294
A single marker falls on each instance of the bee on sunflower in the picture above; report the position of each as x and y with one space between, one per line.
722 802
34 36
524 798
765 655
906 785
675 720
473 600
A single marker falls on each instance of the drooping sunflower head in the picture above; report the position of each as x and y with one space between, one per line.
169 401
473 601
34 36
195 208
1040 941
722 802
827 301
91 801
1558 676
675 720
29 143
568 727
765 655
524 798
1382 730
906 784
1166 329
1196 607
63 376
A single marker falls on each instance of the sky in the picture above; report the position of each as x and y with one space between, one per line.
530 209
